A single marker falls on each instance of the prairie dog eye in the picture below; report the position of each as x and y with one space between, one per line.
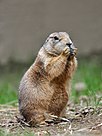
56 38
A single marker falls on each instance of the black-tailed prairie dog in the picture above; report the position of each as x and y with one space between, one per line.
45 87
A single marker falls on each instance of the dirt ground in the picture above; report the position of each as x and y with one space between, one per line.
82 121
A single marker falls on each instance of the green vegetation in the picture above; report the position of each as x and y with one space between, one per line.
17 133
10 76
89 72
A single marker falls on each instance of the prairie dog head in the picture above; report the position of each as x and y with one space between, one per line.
57 41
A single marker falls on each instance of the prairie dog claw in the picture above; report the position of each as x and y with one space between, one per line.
66 51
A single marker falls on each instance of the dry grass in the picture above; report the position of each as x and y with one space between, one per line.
82 121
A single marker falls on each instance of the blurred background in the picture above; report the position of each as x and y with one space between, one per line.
24 26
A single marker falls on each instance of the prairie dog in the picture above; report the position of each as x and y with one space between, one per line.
45 87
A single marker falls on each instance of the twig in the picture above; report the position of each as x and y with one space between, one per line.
95 127
22 122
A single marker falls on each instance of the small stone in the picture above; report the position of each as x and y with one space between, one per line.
80 86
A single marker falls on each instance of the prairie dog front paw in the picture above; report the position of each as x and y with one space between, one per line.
66 51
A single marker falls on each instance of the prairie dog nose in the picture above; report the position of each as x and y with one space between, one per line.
72 48
69 44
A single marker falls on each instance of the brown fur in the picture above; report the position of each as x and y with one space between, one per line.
45 87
